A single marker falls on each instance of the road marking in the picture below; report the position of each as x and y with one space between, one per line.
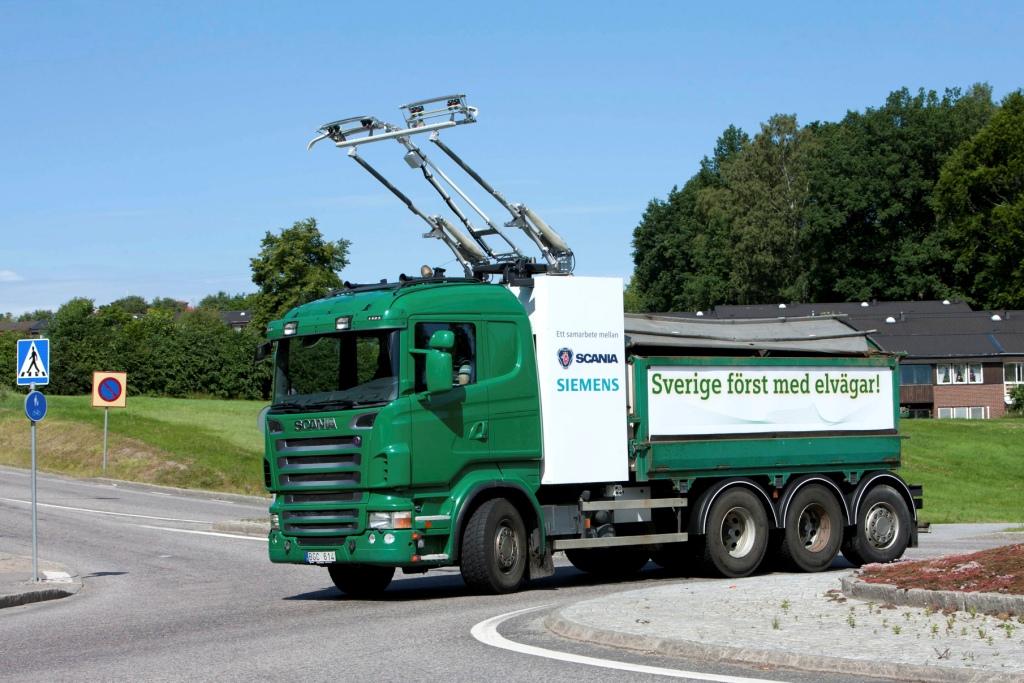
487 633
108 512
204 533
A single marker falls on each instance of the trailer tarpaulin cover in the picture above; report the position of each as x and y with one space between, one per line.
818 334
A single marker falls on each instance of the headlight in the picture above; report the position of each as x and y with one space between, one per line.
275 522
401 519
291 328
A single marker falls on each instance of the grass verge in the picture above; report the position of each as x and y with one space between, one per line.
972 470
191 443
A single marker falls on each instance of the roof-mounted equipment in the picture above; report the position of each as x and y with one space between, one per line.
478 258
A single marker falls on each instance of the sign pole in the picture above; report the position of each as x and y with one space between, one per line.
35 523
106 420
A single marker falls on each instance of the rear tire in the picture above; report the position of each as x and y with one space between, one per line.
494 548
883 528
737 534
610 563
813 529
361 580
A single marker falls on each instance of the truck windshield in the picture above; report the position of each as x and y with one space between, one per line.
340 370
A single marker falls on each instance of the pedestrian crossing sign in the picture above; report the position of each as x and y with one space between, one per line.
33 362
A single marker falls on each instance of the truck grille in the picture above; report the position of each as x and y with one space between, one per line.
320 443
321 479
316 523
310 461
336 498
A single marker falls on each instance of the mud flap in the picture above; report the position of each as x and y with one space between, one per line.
541 562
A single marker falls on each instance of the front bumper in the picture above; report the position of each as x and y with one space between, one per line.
356 549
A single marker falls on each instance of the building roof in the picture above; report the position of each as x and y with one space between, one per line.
919 329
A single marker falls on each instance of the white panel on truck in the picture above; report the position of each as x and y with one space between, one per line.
755 399
581 366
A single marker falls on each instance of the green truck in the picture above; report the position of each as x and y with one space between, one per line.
492 420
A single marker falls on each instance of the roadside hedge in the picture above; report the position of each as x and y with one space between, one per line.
185 355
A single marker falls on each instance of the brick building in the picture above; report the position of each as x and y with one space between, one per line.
957 362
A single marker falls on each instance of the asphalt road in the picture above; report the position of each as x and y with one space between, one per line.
166 598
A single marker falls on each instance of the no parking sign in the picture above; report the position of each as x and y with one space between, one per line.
109 389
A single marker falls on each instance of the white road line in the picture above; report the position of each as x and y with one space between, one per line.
108 512
487 633
204 533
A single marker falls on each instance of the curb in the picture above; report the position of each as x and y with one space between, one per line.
31 595
59 583
247 527
557 623
986 603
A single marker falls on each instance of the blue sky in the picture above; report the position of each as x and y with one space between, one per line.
145 148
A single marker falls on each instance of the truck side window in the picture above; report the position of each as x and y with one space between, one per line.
464 360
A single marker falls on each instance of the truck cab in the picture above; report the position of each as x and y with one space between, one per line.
401 400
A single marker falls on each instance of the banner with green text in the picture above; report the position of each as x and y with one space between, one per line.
752 399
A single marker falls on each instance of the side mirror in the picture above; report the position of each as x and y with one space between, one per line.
442 340
439 369
263 352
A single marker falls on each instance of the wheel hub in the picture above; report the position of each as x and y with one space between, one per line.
815 527
881 525
506 548
738 531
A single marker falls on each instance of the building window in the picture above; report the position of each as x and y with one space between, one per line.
915 374
1013 374
959 373
964 413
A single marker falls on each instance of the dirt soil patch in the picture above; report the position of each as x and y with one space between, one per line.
999 570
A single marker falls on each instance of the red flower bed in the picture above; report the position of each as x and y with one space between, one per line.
1000 570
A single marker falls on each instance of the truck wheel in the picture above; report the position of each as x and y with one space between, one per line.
611 563
494 548
360 580
813 529
737 534
883 528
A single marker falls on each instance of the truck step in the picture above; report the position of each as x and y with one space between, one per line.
611 541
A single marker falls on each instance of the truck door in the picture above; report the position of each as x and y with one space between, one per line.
511 380
450 430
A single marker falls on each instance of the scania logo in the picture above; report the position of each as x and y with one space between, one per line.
315 423
565 357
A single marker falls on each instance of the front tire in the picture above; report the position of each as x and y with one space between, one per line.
883 528
361 580
494 548
813 529
737 534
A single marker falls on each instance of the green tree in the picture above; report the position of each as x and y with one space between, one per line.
132 305
980 203
81 344
38 314
679 252
762 200
293 267
222 301
166 303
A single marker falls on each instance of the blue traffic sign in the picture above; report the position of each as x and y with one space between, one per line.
35 406
33 362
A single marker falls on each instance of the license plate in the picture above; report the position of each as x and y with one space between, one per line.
324 557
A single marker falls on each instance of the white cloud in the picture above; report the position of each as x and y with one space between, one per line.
10 276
